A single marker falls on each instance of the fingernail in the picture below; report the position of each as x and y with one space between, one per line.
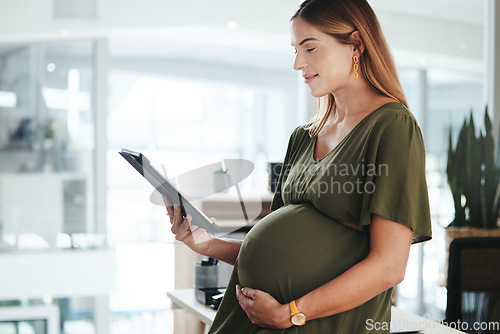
189 217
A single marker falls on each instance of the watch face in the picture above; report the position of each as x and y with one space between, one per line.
298 319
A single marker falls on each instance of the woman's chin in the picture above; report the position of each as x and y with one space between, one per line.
317 93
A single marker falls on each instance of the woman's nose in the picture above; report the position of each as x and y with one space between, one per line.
298 64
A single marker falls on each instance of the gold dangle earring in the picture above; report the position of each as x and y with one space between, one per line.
355 58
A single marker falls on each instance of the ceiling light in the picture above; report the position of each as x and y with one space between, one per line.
51 67
8 99
232 25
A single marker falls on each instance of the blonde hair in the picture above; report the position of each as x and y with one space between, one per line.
340 18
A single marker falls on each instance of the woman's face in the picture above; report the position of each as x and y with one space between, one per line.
326 64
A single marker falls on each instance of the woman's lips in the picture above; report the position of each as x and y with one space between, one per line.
309 77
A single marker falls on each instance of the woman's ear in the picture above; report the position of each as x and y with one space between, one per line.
357 43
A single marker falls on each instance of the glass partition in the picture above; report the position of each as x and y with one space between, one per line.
47 148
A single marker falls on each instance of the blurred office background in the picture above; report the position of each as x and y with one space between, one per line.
188 83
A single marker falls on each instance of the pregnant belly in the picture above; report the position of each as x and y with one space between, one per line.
296 249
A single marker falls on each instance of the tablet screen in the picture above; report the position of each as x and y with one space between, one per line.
163 186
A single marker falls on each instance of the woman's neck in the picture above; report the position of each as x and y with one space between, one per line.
358 100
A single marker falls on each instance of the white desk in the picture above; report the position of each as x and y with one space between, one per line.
59 273
185 299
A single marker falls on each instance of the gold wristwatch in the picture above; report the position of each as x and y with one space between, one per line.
298 319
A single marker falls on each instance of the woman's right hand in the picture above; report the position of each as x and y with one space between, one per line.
193 236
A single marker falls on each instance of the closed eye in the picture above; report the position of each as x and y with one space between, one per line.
310 50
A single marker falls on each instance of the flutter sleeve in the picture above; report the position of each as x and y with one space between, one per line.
398 181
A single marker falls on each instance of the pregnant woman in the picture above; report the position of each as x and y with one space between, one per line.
351 198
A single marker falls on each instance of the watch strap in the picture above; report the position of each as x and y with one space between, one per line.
293 308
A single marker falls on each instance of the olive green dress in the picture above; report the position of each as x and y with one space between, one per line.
378 168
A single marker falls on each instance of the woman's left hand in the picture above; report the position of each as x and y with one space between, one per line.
262 309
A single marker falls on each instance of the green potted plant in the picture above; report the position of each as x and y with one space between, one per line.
474 178
473 172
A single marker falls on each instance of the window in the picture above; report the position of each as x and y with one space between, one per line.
439 99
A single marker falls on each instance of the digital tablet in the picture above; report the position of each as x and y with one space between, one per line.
164 187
